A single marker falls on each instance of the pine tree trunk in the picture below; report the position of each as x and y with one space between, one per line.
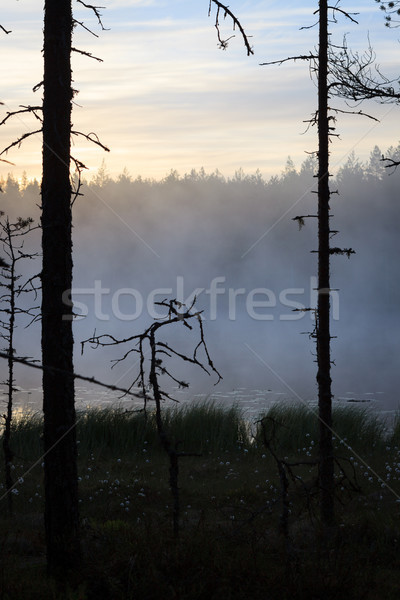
8 454
60 466
323 311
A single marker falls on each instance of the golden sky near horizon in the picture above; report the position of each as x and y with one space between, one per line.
165 97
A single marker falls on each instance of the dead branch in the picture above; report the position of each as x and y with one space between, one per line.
91 137
353 485
82 24
285 470
96 10
176 312
291 58
342 251
33 109
391 163
4 29
88 54
354 112
19 141
344 13
356 77
12 245
37 86
223 43
108 386
390 8
300 220
76 184
24 109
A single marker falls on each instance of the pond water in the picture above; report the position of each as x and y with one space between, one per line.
252 402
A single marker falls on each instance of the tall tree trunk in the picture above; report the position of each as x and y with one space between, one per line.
60 466
323 310
8 453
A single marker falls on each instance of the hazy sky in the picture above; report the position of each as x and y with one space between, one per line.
166 97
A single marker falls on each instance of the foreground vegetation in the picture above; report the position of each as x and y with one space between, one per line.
231 541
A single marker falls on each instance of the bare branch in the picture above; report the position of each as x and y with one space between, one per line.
113 388
345 13
177 312
37 86
309 26
7 162
77 185
24 109
391 163
4 29
96 10
291 58
19 141
190 359
352 76
342 251
81 23
89 54
223 43
91 137
300 220
354 112
390 8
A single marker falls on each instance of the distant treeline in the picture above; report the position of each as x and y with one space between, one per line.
374 168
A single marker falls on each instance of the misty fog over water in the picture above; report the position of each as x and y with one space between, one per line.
233 244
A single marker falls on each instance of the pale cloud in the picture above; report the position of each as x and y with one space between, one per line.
166 97
111 4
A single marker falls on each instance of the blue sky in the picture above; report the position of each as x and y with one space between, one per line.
165 97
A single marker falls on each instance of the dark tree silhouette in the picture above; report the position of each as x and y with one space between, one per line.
323 65
2 262
12 242
323 336
61 490
148 380
356 78
60 469
54 116
226 12
391 9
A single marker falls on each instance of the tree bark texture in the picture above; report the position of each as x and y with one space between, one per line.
60 462
323 309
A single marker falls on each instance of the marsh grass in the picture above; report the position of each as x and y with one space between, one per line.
395 438
293 426
205 426
229 544
26 435
197 427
